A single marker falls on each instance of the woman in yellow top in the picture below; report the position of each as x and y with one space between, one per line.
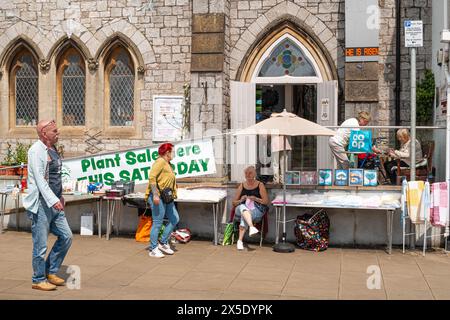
162 181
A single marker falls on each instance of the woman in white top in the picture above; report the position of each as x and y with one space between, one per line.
339 142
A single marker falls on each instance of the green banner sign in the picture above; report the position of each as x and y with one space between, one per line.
195 158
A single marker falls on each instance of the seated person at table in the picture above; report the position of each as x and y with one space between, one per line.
403 154
339 142
250 204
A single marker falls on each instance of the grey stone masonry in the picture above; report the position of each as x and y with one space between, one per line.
158 33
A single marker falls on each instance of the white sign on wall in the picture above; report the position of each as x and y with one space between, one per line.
167 118
325 109
413 33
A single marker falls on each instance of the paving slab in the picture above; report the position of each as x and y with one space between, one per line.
121 269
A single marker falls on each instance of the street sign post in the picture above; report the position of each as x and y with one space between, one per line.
413 34
413 40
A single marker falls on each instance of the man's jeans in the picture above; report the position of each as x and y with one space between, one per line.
158 213
45 220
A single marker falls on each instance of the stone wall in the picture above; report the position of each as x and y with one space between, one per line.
159 30
411 10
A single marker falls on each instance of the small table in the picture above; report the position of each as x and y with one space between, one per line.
3 201
99 214
3 198
217 206
389 216
113 204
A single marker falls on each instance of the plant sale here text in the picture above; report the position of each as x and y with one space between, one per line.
190 160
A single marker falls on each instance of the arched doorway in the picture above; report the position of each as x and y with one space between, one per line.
285 70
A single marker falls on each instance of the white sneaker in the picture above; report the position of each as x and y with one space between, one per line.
165 248
156 253
252 231
240 245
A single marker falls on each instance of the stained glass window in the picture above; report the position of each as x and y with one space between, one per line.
287 59
25 89
121 89
73 91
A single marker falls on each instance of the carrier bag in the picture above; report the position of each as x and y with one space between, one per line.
313 231
182 235
360 141
143 229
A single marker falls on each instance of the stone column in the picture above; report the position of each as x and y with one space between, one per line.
210 75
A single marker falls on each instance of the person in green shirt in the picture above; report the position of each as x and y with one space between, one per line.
162 178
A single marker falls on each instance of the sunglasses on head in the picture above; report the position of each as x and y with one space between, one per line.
48 124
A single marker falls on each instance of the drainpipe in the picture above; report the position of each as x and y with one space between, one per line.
397 61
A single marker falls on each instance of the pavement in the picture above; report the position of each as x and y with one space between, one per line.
121 269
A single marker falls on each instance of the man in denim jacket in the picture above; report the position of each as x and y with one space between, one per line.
45 207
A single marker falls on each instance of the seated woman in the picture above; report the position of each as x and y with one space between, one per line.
403 154
250 204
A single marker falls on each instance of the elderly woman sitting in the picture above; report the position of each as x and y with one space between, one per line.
404 154
250 204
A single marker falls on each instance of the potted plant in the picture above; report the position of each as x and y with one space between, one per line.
8 161
15 158
21 156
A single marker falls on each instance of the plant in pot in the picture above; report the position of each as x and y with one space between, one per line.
16 158
22 157
8 161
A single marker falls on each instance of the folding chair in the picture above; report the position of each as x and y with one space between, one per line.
262 226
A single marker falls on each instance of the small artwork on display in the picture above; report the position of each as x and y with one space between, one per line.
308 178
341 177
292 177
325 177
356 177
370 178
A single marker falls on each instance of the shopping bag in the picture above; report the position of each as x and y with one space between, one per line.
228 234
182 235
360 141
143 229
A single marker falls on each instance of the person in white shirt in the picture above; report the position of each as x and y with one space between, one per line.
339 142
44 205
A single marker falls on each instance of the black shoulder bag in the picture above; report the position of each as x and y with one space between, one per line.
165 194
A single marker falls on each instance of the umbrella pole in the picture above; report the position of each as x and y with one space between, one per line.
283 246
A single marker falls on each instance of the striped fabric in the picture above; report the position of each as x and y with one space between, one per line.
439 204
415 201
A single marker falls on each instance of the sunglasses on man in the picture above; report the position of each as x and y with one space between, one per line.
48 124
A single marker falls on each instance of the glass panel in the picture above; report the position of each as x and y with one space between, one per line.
121 81
304 148
73 81
287 59
26 92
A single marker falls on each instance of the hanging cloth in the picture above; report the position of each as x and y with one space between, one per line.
414 198
403 199
439 205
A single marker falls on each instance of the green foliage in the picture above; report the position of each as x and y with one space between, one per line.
17 156
22 153
9 158
425 99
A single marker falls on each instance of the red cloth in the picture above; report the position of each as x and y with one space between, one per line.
257 225
362 156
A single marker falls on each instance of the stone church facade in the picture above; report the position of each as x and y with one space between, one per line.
95 66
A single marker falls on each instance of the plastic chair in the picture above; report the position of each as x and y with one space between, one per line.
262 226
